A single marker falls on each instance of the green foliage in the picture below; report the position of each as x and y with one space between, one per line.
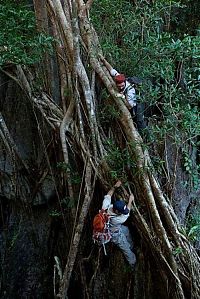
63 166
14 239
15 234
158 164
108 113
191 169
75 177
188 163
194 232
177 251
187 20
68 202
193 226
115 159
148 40
55 213
20 43
132 36
136 40
119 161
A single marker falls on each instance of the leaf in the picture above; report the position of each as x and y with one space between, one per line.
194 229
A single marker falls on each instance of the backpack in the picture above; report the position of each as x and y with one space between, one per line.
139 86
134 80
136 83
101 233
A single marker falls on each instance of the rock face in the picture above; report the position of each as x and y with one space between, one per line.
24 254
180 192
28 197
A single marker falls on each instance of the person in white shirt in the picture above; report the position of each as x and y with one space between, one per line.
119 213
124 87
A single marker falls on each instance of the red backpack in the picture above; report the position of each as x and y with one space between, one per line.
101 233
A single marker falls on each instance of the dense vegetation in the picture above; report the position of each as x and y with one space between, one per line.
20 43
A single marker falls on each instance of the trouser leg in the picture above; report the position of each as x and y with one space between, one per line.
137 113
121 241
127 234
140 120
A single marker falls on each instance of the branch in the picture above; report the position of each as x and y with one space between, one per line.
48 108
63 128
89 4
57 8
9 142
77 235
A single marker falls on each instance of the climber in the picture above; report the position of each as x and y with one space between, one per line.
119 213
127 89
